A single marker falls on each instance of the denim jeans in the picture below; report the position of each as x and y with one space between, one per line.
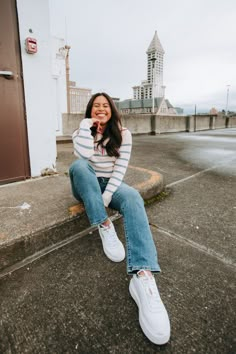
88 188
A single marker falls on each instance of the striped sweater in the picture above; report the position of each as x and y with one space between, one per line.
85 147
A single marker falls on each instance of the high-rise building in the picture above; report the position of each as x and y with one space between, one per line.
149 97
155 54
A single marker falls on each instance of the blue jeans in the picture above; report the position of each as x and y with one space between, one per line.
88 188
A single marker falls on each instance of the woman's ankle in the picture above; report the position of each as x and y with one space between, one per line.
142 272
107 222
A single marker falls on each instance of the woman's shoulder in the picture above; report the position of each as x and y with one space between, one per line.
124 129
126 134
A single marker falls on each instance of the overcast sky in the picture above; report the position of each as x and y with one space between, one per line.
109 39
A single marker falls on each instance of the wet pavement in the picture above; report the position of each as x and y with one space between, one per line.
74 300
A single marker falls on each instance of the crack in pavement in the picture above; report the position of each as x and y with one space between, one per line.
206 250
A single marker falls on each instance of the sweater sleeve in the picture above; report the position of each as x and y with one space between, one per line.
83 140
120 167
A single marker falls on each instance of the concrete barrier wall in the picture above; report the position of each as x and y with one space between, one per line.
70 122
137 123
147 123
202 122
232 122
220 122
171 124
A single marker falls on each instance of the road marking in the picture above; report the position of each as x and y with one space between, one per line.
208 251
197 174
190 177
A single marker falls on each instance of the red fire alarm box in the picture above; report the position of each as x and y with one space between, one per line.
31 45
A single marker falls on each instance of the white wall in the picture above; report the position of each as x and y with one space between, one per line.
38 84
59 82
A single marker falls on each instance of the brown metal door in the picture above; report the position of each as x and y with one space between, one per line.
14 159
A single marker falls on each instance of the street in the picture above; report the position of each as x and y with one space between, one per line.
74 300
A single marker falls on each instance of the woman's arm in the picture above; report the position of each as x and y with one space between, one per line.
83 140
120 167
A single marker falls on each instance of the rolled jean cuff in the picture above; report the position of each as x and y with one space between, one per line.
135 269
99 222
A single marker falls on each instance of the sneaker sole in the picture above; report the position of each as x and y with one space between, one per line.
109 256
160 340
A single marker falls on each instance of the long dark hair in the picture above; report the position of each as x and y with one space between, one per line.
113 127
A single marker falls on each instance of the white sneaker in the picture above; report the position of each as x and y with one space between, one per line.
153 317
112 246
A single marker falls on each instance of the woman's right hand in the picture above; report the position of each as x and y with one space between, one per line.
97 124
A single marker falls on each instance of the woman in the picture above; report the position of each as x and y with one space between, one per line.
103 147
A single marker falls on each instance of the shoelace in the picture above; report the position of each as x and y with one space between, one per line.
151 290
110 235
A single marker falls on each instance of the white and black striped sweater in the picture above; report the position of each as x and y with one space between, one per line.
85 147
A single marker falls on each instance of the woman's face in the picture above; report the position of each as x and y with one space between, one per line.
101 110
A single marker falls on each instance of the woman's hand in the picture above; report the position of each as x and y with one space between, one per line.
98 125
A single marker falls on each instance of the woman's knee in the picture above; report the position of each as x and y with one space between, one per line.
133 197
137 197
78 167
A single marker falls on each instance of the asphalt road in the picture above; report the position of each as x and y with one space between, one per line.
74 300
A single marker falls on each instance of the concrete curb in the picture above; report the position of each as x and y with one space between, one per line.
152 187
33 243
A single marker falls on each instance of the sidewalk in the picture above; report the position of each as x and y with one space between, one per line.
41 213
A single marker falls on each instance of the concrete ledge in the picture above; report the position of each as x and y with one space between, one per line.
64 139
39 213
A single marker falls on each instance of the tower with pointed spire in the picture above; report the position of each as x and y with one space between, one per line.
155 55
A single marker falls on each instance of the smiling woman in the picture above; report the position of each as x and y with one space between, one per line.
101 112
104 147
106 121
